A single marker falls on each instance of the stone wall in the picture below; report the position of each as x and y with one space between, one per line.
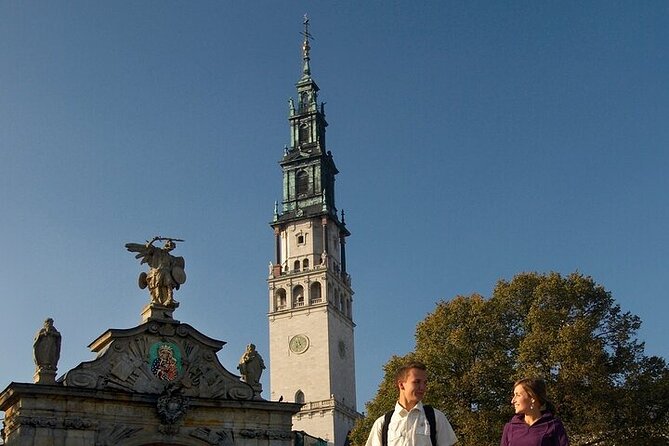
42 415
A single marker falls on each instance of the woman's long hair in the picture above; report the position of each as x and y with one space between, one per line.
536 388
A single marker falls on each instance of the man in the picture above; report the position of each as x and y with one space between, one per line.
409 424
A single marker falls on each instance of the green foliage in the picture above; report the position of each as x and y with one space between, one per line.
567 330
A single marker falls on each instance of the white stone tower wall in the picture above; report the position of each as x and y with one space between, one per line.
308 371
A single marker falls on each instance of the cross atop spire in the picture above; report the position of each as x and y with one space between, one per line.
306 69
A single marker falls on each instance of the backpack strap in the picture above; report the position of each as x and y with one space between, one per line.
431 419
384 428
429 414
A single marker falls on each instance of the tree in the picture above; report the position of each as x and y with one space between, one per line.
567 330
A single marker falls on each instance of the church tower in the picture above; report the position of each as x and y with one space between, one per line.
310 297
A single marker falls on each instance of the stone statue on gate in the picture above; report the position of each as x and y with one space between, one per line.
166 272
46 353
251 366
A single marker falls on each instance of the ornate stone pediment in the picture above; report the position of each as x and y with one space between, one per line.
156 354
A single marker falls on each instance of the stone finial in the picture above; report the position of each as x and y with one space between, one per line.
46 353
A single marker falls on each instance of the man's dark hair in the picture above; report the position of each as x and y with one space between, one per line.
402 372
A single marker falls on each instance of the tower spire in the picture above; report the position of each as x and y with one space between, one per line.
306 68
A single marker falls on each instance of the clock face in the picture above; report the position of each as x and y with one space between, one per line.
299 344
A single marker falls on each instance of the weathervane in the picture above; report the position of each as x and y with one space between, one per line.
306 71
305 33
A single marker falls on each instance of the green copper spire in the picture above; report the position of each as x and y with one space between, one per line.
308 167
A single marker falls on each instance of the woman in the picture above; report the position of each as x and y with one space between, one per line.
534 423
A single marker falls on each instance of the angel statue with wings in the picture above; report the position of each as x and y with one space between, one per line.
166 271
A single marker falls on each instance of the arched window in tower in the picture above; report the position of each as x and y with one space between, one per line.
296 265
305 264
299 397
315 293
304 134
301 183
298 296
280 299
304 101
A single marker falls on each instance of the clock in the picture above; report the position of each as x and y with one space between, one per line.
298 344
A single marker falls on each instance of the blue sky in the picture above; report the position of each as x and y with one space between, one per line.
475 140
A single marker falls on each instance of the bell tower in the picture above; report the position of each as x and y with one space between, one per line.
310 296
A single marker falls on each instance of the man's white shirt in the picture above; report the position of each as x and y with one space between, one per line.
411 428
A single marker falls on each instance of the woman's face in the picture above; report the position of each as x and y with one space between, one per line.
521 401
